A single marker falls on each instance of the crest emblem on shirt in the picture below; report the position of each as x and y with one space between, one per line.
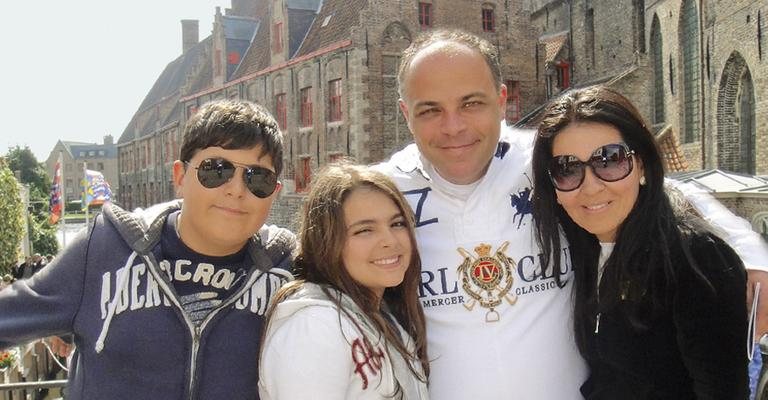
487 278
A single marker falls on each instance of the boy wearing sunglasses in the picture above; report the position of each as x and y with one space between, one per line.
168 303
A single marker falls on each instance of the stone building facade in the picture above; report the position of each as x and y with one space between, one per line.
695 69
325 69
76 155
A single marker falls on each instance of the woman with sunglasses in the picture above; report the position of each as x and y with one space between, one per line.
659 300
351 325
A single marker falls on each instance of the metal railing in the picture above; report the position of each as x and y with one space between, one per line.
28 390
37 375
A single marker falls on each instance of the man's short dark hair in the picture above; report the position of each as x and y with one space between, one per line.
426 39
233 125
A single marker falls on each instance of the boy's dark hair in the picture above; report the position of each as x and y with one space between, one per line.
233 124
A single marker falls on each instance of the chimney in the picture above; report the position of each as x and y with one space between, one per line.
108 139
190 33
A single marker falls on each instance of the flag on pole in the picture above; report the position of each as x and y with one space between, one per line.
96 190
55 203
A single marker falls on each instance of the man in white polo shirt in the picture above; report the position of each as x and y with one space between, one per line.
498 324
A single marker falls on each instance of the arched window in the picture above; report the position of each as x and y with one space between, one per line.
736 130
689 40
638 23
658 71
746 102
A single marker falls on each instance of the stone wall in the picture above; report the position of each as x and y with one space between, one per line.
732 47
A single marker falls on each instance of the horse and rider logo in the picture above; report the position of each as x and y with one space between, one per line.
522 204
487 279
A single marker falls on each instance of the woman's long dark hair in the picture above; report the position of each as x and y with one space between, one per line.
640 265
322 236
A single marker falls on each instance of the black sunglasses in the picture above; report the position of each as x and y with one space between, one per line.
214 172
610 163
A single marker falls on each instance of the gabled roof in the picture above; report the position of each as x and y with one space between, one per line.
671 151
239 28
168 88
74 148
308 5
553 44
175 74
257 56
238 36
110 150
245 8
341 16
299 22
68 145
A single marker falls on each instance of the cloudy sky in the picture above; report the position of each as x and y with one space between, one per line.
77 70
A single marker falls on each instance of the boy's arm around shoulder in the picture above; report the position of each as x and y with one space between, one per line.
281 246
45 304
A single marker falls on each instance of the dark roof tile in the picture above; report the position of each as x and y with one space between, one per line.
671 152
257 57
155 110
239 28
341 16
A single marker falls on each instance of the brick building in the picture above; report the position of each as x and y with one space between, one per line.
97 157
696 69
327 71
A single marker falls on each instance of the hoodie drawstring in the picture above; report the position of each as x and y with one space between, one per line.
122 284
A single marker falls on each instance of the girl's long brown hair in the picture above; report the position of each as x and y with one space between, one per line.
322 236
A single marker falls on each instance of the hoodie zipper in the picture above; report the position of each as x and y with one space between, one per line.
196 331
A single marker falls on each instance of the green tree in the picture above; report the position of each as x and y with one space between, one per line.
11 219
43 235
33 173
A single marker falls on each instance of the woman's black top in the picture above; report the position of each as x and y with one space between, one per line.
695 348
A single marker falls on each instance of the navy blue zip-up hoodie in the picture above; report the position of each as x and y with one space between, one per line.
133 339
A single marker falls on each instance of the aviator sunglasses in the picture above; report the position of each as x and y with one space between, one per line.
610 163
214 172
